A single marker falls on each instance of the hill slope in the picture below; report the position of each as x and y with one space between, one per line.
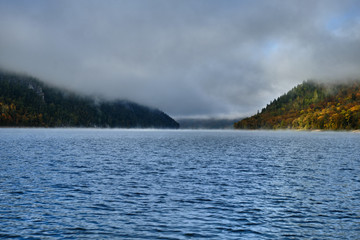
206 123
27 102
311 105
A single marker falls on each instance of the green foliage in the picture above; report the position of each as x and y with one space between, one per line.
311 105
27 102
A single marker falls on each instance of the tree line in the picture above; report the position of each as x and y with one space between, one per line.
27 102
311 105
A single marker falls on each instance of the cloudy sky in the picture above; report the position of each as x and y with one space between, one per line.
188 57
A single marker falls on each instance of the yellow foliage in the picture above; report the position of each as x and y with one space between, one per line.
12 106
355 108
339 111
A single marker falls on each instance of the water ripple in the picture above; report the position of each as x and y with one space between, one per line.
121 184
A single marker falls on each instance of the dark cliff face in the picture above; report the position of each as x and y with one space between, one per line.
28 102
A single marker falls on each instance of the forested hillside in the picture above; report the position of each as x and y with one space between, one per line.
311 105
27 102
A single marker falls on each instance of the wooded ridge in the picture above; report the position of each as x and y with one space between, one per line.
27 102
311 105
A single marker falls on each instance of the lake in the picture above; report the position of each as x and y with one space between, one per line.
163 184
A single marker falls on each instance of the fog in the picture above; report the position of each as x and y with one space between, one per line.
187 58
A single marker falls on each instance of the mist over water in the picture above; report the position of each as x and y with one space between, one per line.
187 58
140 184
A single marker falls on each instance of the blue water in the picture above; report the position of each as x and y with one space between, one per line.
143 184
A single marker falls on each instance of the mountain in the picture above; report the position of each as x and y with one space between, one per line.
206 123
311 105
27 102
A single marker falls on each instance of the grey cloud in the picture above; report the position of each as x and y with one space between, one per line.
184 57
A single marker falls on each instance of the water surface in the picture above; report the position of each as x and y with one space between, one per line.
143 184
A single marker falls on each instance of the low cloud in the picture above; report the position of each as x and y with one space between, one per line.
184 57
